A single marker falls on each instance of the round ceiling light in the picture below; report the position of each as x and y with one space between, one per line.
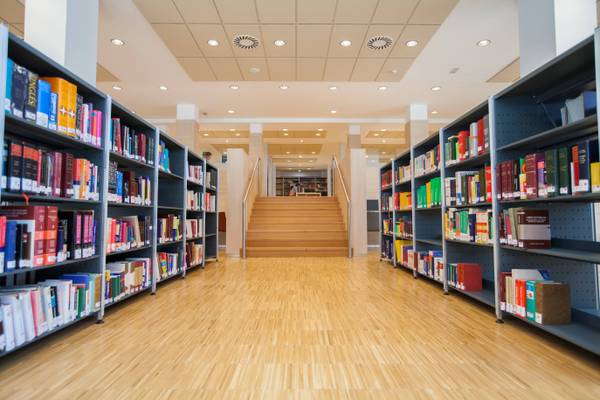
246 42
231 111
213 42
279 43
436 88
231 129
434 112
333 88
320 129
484 43
382 88
234 87
205 134
117 42
379 42
411 43
117 87
254 70
333 111
346 43
163 88
284 87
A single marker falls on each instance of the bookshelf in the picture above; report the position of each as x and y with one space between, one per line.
195 210
211 218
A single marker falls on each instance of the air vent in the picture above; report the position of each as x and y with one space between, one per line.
246 42
379 42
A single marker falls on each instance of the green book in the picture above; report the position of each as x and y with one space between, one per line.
530 300
564 182
551 160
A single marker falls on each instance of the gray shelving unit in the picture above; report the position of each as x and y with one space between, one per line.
198 187
211 218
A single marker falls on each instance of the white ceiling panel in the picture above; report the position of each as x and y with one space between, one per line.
198 11
282 69
391 31
394 69
253 30
247 63
354 33
310 69
432 11
203 33
225 69
339 69
237 11
420 33
367 69
394 11
178 39
197 69
276 11
159 11
287 33
354 11
315 11
313 40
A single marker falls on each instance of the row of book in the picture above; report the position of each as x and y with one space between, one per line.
554 172
403 228
428 162
126 141
210 202
210 179
168 264
403 173
465 276
525 228
428 263
193 254
387 225
169 228
35 236
396 201
532 295
126 187
127 277
387 248
163 157
194 200
468 144
430 194
193 228
196 173
469 187
29 311
386 179
51 103
32 169
128 232
473 225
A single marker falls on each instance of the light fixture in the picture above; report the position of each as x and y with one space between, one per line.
284 87
320 129
383 141
484 43
279 43
345 43
237 134
382 88
231 111
254 70
287 152
314 152
333 111
117 87
376 134
366 156
205 134
299 170
163 88
411 43
383 130
285 134
301 140
226 140
436 88
333 88
234 87
317 134
285 129
434 112
289 160
300 156
213 42
117 42
231 129
383 152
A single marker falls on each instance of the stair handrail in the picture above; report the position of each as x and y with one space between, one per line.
244 202
336 167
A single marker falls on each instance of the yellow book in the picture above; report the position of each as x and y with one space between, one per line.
61 88
595 172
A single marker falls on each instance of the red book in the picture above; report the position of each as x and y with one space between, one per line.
488 183
469 275
480 136
499 181
51 233
78 224
575 170
531 176
57 179
67 175
463 145
35 218
2 241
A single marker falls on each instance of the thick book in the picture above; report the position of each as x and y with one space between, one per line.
15 165
43 103
587 154
552 303
34 217
9 81
564 162
53 111
19 91
61 88
533 229
31 101
10 249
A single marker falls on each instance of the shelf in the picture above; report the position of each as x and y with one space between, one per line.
165 174
429 277
433 242
431 174
130 295
485 296
211 189
427 142
129 250
194 211
485 204
387 235
430 208
194 238
210 234
8 196
561 134
469 162
194 183
178 273
31 132
128 162
169 243
169 208
489 245
129 205
560 252
402 210
187 268
18 271
584 197
386 188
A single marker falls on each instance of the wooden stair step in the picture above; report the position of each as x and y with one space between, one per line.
297 235
296 251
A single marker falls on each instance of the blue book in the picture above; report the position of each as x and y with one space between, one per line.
43 103
53 109
120 185
78 279
10 249
9 79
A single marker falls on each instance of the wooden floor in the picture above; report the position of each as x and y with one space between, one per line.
300 328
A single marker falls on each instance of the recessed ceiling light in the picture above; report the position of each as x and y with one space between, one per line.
237 134
301 140
311 160
226 140
300 156
289 160
383 130
163 88
231 111
299 170
436 88
317 134
320 129
484 43
314 152
254 70
345 43
333 111
231 129
285 129
376 134
287 152
205 134
366 156
279 43
333 88
382 88
234 87
284 87
285 134
383 152
309 168
117 42
213 42
434 112
117 87
383 141
411 43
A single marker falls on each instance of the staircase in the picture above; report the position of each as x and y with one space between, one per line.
296 227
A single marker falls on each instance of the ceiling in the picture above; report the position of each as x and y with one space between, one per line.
310 32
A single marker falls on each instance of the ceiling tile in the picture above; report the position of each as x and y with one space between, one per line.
247 63
310 69
432 11
420 33
367 69
510 73
253 30
276 11
282 69
354 11
197 69
158 11
237 11
198 11
313 40
394 11
338 69
315 11
12 11
354 33
394 69
225 69
104 75
271 33
391 31
178 39
203 32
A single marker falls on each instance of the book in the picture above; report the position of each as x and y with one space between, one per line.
31 100
18 91
8 89
587 154
595 176
552 303
53 111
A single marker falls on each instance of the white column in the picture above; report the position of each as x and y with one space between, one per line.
549 27
357 187
416 128
186 126
237 173
66 31
257 148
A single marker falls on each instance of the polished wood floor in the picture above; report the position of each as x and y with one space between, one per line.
300 328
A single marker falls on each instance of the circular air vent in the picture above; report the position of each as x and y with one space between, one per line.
246 42
379 42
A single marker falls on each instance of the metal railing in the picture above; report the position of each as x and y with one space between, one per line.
337 176
251 180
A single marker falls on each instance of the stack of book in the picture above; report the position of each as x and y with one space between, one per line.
469 187
387 250
403 247
468 144
403 174
169 228
163 157
428 162
210 180
131 144
130 232
51 103
387 226
402 201
430 263
127 277
168 264
193 228
430 194
194 200
210 202
386 179
126 187
193 254
195 174
403 228
473 225
465 276
525 228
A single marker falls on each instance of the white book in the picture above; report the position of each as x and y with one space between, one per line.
13 301
9 329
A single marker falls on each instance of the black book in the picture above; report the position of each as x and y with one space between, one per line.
67 219
19 91
31 101
79 114
6 164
